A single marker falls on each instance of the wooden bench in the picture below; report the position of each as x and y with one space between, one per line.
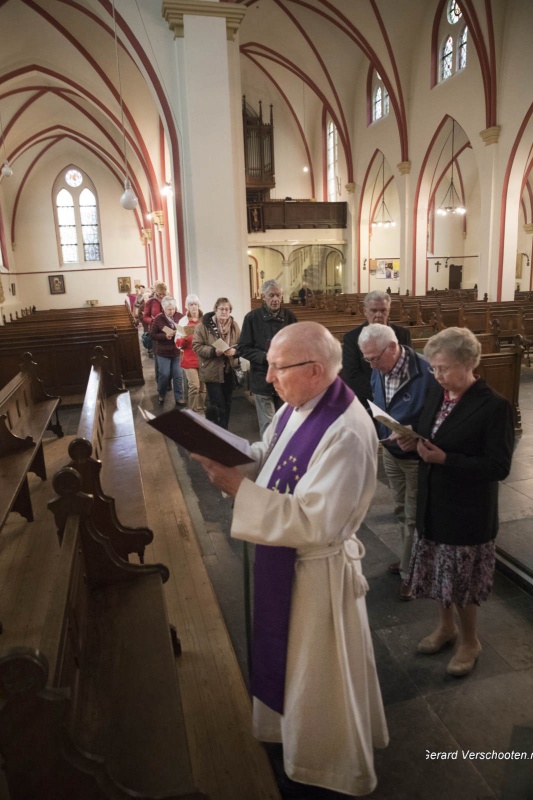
106 457
26 413
62 334
502 372
96 712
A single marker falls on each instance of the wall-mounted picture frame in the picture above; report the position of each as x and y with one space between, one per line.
124 285
57 284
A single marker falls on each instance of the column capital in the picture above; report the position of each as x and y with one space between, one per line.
173 12
350 187
528 227
404 167
491 135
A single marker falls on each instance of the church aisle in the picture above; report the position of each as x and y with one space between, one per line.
428 711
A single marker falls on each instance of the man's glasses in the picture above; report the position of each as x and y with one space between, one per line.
375 359
275 367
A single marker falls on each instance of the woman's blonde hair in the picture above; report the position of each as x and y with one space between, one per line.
460 344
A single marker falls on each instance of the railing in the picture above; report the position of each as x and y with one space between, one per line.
280 214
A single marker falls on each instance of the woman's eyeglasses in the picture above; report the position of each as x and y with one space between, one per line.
439 370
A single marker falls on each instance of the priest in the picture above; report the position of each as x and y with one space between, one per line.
301 503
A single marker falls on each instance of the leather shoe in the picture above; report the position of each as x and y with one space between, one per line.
435 642
461 668
405 591
394 568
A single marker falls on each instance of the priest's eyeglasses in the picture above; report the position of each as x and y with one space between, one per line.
275 367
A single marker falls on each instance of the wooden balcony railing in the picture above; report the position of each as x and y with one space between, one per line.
280 214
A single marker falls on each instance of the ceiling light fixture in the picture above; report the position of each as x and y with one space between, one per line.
6 170
383 219
167 190
128 198
451 202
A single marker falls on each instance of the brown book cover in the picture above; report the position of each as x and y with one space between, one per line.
199 435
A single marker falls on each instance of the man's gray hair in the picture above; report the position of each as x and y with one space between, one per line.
377 296
382 334
268 284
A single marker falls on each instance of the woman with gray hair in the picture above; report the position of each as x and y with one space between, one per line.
163 332
466 449
189 362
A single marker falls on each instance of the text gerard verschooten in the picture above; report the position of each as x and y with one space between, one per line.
479 755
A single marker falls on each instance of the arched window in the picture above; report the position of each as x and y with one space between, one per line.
461 55
332 150
452 50
446 59
380 98
76 216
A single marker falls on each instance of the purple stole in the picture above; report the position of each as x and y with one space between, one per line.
274 566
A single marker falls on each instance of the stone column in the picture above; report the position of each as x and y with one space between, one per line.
208 75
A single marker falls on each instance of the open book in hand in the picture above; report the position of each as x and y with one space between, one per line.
199 435
390 422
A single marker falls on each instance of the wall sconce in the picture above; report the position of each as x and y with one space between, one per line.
364 263
157 218
146 235
527 259
167 189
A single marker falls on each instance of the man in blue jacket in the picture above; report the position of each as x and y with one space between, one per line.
399 381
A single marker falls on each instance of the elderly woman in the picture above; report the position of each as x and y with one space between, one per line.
467 448
163 332
189 362
216 362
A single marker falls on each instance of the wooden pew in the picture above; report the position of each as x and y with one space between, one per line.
96 712
502 373
26 413
62 331
105 456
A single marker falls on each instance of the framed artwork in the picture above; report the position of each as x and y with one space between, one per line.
57 284
124 285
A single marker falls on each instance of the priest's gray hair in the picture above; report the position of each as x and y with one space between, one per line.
329 352
381 334
312 341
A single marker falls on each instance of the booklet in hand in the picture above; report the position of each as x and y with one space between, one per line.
199 435
390 422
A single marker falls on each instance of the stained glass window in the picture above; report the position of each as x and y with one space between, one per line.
67 227
89 226
462 49
446 64
76 212
332 155
454 12
377 104
380 101
73 177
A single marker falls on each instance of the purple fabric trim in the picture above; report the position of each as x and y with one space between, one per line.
274 566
